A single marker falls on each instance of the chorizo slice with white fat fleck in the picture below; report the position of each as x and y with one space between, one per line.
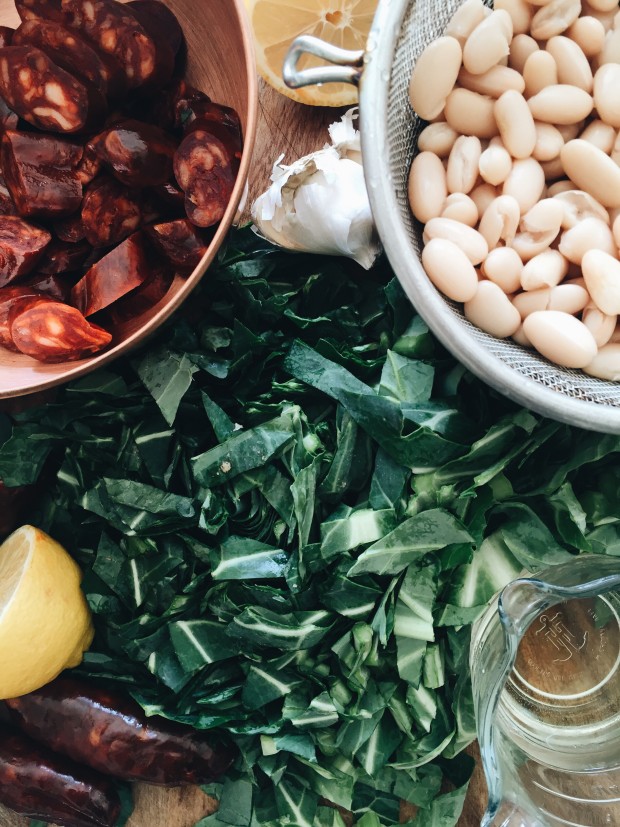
45 95
21 247
203 169
110 212
50 331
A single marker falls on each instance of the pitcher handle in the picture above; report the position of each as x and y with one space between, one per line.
347 68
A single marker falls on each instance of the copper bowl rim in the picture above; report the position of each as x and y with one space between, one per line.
84 366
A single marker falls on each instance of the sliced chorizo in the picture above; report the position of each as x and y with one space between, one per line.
6 36
8 118
40 10
10 297
54 286
7 206
50 331
112 277
90 164
70 229
46 95
67 49
64 257
165 55
196 111
117 32
21 247
180 242
40 173
40 784
204 171
170 198
167 22
144 297
111 212
138 154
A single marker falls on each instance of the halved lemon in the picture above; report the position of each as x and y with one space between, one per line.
45 622
276 23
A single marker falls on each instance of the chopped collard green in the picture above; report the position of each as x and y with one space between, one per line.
289 508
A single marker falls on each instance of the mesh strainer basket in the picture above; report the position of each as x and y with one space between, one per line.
389 129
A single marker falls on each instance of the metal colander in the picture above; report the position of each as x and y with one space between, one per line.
389 129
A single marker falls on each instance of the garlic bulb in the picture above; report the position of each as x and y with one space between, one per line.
319 204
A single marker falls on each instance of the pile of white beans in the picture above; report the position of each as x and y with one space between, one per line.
517 179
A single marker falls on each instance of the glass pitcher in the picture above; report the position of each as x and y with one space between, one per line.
545 663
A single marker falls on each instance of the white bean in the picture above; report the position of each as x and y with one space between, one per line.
525 183
521 339
540 71
569 131
428 188
549 142
470 241
600 325
561 338
434 76
520 13
615 229
438 138
488 43
602 275
568 298
503 267
578 205
600 134
491 310
589 234
553 169
470 113
493 83
465 19
611 48
495 165
462 172
561 104
461 208
544 270
589 34
606 363
554 18
530 245
592 171
482 195
521 48
573 65
500 221
450 270
559 187
544 217
531 301
516 124
606 93
604 5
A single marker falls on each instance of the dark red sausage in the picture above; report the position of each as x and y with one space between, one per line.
35 782
8 118
6 36
166 21
194 110
53 286
111 212
170 199
11 297
21 247
90 164
138 154
7 207
117 32
70 229
40 10
67 49
45 95
204 171
164 53
180 242
143 298
110 732
116 274
53 332
64 257
40 174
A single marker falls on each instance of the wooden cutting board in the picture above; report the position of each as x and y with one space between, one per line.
290 128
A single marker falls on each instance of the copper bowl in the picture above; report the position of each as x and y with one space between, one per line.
220 61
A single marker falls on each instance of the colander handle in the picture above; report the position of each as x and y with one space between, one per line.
347 68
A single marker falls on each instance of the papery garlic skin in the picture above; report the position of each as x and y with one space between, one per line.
319 204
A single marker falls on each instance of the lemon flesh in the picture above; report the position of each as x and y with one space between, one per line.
276 23
45 622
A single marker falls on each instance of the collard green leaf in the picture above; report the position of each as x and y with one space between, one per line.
241 558
167 378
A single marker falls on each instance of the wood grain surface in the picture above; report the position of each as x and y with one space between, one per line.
284 126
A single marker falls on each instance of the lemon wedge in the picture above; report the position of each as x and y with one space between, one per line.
45 622
276 23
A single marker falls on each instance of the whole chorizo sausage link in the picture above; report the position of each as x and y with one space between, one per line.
21 247
203 169
53 332
116 31
110 212
110 732
36 783
45 95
